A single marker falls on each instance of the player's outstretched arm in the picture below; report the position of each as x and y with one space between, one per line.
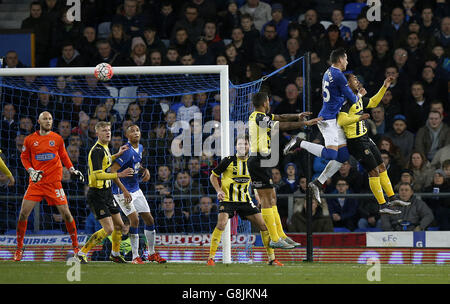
375 100
290 117
286 126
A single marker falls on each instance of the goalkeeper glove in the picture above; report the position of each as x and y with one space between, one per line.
77 173
35 175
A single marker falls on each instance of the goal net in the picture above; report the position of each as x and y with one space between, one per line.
188 116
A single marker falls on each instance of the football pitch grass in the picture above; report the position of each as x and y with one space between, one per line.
184 273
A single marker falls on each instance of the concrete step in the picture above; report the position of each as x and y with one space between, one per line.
13 7
14 16
27 2
10 24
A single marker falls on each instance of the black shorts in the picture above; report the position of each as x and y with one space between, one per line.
102 203
261 176
365 151
243 209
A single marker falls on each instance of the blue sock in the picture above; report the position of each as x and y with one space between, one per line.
134 230
343 155
329 154
149 228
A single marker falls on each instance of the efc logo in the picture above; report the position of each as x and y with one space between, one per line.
389 238
74 12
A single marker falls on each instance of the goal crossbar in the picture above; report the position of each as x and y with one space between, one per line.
222 70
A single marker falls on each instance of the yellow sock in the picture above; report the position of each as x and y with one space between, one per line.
375 186
386 184
95 239
265 237
269 219
276 215
116 237
215 240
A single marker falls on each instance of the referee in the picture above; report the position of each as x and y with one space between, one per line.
100 198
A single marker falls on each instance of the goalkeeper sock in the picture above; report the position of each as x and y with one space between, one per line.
116 238
150 233
265 237
269 219
134 242
386 184
276 215
375 187
21 230
95 239
72 230
215 240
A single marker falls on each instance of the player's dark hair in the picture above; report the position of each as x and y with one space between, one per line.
336 55
258 99
132 125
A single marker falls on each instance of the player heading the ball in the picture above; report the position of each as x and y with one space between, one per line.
335 91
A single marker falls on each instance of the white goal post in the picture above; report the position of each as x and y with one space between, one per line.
222 70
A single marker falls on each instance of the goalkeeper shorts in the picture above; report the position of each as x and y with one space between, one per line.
53 193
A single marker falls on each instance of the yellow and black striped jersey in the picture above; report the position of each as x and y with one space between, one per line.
260 124
348 117
235 179
99 161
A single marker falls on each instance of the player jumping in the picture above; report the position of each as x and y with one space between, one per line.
132 158
335 91
234 195
42 153
100 197
351 118
260 126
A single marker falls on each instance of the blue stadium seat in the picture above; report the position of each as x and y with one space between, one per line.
103 30
10 232
53 62
341 229
433 229
352 10
49 232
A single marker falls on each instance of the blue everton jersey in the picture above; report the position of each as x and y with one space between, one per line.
335 91
129 159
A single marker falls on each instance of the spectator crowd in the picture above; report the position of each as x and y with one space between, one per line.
411 43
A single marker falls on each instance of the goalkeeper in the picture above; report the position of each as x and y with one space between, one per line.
234 196
351 118
42 154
